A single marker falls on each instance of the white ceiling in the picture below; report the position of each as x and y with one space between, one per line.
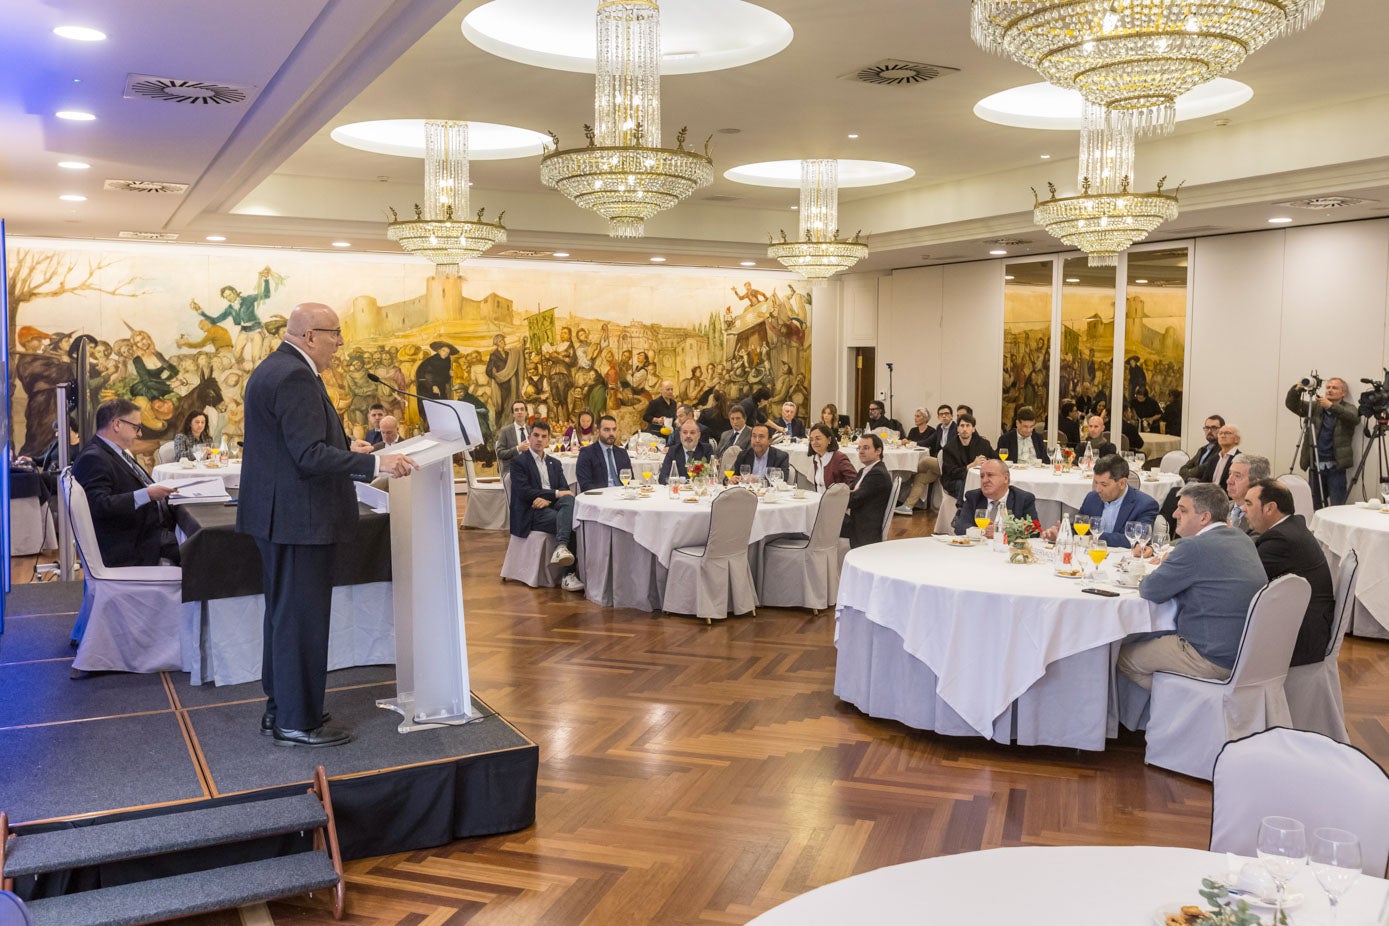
267 173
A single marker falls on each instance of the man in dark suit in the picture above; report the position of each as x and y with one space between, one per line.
869 497
374 416
1023 444
389 434
1094 440
1194 466
541 500
788 423
1217 468
682 414
600 464
691 447
1285 546
1114 504
129 513
762 457
297 501
738 435
995 492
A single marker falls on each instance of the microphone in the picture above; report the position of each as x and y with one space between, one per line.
1371 382
394 388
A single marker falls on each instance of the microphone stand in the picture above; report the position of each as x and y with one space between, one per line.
889 390
462 430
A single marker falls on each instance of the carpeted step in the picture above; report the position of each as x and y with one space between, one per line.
186 895
171 832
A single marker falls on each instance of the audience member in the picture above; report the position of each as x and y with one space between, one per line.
1133 440
1245 470
1115 503
762 456
390 433
966 450
828 463
1095 442
692 447
582 432
753 405
1192 468
374 416
660 411
878 419
1172 413
738 434
995 493
830 418
512 437
869 497
194 433
683 413
1217 469
1333 432
541 500
601 464
788 423
48 460
945 430
1069 424
1145 409
1285 545
714 417
1023 444
928 468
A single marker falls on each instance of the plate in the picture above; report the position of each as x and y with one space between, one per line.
1159 917
1291 902
1080 574
950 541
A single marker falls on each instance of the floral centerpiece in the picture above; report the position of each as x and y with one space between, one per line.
1017 531
699 475
847 435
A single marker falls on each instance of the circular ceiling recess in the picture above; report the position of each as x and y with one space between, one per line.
1046 106
787 174
696 35
404 138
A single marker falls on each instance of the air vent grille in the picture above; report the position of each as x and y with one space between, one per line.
149 236
518 252
1325 202
721 198
190 92
1007 242
145 186
894 72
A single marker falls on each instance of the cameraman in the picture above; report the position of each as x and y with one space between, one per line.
1332 432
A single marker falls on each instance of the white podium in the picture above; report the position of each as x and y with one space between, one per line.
431 644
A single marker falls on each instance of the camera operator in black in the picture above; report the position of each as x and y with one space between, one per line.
1326 453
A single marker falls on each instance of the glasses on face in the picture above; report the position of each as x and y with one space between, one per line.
1210 427
134 424
335 332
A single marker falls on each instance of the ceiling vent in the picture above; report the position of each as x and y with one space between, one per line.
517 252
149 236
893 72
194 92
1007 242
721 198
1325 202
145 186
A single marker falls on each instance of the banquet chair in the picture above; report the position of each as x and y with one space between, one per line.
891 503
945 517
1314 691
487 502
730 456
707 581
165 453
1302 495
1173 461
528 558
132 616
1306 776
1192 718
803 571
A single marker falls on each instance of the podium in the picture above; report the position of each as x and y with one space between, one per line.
431 644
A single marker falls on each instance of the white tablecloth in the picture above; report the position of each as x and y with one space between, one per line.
1155 445
230 475
1064 886
1065 491
1348 527
640 463
988 630
898 460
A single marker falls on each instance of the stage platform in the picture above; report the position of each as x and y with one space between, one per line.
114 746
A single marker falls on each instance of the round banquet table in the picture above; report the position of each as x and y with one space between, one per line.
960 641
230 474
1156 445
1052 886
898 459
1365 530
1062 493
625 545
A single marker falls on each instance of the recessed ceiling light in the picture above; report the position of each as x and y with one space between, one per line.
74 165
1046 157
1279 220
342 244
73 198
658 260
560 254
1140 281
74 115
80 33
998 252
853 136
1072 279
1009 277
216 238
748 263
795 208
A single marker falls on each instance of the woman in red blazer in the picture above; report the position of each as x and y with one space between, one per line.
828 463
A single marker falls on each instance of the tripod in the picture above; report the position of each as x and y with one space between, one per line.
1309 438
1376 442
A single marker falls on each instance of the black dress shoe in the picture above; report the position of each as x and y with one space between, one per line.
321 736
267 723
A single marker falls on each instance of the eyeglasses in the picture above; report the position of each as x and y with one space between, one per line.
134 424
335 332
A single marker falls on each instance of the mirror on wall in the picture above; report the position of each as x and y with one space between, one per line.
1027 308
1087 344
1155 341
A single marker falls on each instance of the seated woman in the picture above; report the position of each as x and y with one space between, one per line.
830 418
582 432
965 450
194 433
828 463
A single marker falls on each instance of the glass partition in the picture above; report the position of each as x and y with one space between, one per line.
1087 342
1027 307
1155 339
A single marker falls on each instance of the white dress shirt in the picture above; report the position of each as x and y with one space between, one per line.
544 470
820 464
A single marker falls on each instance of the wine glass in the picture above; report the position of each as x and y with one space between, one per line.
1283 850
1099 549
981 518
199 453
646 476
1081 524
624 477
745 472
1003 455
1132 532
728 475
1335 856
1161 536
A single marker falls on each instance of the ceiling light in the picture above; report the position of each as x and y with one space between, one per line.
73 198
819 252
658 260
1140 282
74 115
80 33
216 238
560 254
1072 279
1279 220
74 165
787 174
487 141
1044 106
1008 276
1102 223
1046 157
748 263
998 252
853 137
342 244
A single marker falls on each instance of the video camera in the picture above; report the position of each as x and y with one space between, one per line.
1310 383
1374 402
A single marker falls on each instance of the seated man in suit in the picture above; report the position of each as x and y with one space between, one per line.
692 447
878 419
762 456
1285 545
389 429
600 464
869 497
512 436
133 524
1217 468
1212 574
995 492
738 435
374 416
1094 441
541 500
788 423
1245 470
1023 444
1115 503
1200 457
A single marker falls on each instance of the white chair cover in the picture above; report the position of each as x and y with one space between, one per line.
803 572
711 580
729 457
132 616
945 518
1173 461
1302 495
1314 691
1191 718
528 560
1306 776
487 502
165 453
891 502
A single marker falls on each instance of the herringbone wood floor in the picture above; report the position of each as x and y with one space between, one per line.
694 774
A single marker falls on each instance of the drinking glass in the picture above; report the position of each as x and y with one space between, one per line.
745 472
1335 856
1131 532
646 476
1081 524
624 476
981 518
1283 850
728 475
1161 537
1139 459
1098 550
1003 455
199 453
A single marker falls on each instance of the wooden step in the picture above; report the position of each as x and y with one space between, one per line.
186 895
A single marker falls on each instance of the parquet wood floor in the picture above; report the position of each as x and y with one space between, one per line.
700 775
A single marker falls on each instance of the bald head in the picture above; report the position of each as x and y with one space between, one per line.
314 329
309 315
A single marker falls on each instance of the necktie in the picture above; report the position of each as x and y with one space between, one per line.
139 470
612 473
993 511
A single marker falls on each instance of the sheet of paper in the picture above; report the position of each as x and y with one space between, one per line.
373 498
207 489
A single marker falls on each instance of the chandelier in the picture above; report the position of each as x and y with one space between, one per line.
819 253
439 231
624 174
1104 224
1135 57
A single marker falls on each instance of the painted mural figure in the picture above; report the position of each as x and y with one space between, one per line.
504 369
152 369
434 375
214 335
244 312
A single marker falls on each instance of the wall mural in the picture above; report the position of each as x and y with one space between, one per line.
178 330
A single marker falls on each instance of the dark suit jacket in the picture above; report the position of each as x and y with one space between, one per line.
726 439
372 437
591 471
1192 468
381 445
1208 470
938 438
673 437
1070 427
1009 442
1103 448
776 459
1135 506
863 522
955 459
526 488
128 536
296 471
793 428
674 463
1021 504
1289 547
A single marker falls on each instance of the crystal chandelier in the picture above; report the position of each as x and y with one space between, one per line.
624 174
819 253
439 231
1135 57
1104 224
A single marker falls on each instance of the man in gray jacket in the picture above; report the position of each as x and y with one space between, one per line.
1212 574
512 437
1332 433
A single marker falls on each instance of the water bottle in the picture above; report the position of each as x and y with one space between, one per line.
1056 460
222 450
1065 544
1000 538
